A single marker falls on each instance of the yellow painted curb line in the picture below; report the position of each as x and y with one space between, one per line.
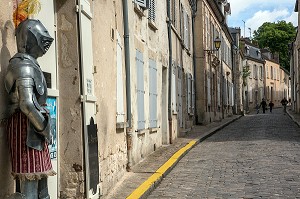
159 173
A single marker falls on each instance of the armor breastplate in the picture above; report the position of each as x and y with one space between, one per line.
25 66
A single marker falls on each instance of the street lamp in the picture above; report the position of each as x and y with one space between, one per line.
217 44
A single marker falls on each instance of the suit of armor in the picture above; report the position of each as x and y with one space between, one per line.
29 125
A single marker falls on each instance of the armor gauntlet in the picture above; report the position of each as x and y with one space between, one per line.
29 105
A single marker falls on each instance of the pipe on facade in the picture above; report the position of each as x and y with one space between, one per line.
128 86
193 4
170 65
83 107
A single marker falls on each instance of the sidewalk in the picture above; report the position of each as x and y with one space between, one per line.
293 115
147 174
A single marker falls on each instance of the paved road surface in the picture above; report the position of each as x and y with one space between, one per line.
258 156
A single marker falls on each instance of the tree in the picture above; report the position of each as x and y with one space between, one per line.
276 37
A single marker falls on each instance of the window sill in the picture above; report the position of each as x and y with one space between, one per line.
152 25
139 10
153 130
121 125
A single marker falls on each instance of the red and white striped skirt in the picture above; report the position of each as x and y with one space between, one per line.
27 163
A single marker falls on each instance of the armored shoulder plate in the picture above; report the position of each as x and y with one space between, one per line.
24 66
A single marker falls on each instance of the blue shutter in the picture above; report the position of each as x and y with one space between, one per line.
152 94
189 92
193 95
173 90
179 81
208 89
140 90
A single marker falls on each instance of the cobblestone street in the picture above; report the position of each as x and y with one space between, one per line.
257 156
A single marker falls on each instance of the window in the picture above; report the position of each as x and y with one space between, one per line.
267 71
120 92
152 10
261 72
140 90
142 3
272 72
173 13
185 29
152 94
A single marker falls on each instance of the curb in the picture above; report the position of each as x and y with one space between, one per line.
153 181
293 118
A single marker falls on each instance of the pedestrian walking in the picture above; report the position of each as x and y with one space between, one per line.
284 102
271 105
263 104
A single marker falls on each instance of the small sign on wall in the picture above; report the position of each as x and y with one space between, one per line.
51 106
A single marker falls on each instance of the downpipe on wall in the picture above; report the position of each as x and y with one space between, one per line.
128 86
170 68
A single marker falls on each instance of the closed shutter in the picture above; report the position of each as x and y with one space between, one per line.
152 10
120 92
208 89
193 95
219 92
189 92
250 94
152 93
225 92
140 90
142 3
173 86
179 81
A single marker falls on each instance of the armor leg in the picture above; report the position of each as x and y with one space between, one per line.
29 188
43 189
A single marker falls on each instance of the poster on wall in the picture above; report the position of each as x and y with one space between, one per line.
51 106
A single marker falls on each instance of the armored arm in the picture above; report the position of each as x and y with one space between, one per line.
28 104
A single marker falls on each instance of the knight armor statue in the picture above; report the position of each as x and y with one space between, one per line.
29 122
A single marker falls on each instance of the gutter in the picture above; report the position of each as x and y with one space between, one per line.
128 86
170 63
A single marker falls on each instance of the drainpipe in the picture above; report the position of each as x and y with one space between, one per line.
128 86
194 10
170 68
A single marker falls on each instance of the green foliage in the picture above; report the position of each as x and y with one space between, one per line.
276 37
246 73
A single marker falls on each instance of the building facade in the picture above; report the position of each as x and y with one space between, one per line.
214 89
254 83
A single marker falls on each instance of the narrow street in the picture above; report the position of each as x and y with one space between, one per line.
257 156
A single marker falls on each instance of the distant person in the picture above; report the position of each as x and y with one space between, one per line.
284 102
257 108
271 105
263 104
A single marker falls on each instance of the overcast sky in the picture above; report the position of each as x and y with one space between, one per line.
256 12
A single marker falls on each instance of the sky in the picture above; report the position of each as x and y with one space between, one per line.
251 14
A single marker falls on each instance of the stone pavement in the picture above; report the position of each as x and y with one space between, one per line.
143 170
258 156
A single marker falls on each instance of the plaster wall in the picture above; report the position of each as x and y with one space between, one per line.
71 163
151 40
107 24
7 50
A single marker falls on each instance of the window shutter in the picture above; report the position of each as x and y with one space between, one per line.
193 95
208 89
173 85
120 92
152 10
142 3
250 94
182 23
140 90
179 81
152 94
219 92
189 92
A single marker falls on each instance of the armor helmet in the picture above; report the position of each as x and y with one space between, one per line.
33 38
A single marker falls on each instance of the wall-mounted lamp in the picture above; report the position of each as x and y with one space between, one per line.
217 44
